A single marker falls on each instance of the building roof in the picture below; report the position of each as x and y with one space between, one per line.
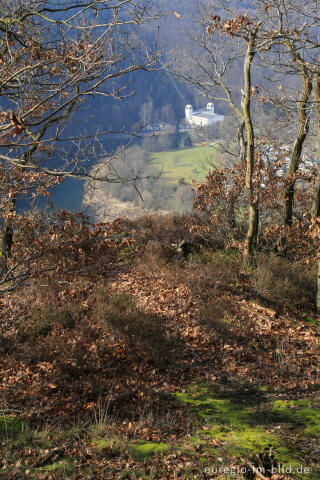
204 114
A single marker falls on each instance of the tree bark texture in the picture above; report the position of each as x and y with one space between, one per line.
7 232
253 202
315 212
295 159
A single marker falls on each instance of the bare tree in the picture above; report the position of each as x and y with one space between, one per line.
282 36
230 39
291 54
53 57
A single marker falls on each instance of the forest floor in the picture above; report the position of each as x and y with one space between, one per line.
158 371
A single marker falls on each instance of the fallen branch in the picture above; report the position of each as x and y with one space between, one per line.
56 452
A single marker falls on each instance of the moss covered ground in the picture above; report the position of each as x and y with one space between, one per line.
247 423
229 426
167 375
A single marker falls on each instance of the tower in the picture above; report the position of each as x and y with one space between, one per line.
210 107
188 113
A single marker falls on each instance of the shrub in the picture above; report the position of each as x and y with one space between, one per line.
227 264
208 270
153 257
283 283
42 322
218 206
163 228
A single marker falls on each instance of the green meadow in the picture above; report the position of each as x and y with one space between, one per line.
176 164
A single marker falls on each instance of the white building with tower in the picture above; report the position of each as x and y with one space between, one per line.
203 117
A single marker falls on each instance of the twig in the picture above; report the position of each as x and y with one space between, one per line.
49 456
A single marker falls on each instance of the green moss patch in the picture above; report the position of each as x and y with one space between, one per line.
311 321
147 449
66 465
100 443
303 413
11 427
137 448
110 445
249 426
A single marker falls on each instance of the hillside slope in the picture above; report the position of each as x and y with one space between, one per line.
161 368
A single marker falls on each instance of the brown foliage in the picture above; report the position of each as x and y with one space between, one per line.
166 229
154 257
61 246
217 204
221 215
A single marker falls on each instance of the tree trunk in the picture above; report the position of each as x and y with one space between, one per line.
7 233
242 143
242 158
318 284
297 148
253 202
315 211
